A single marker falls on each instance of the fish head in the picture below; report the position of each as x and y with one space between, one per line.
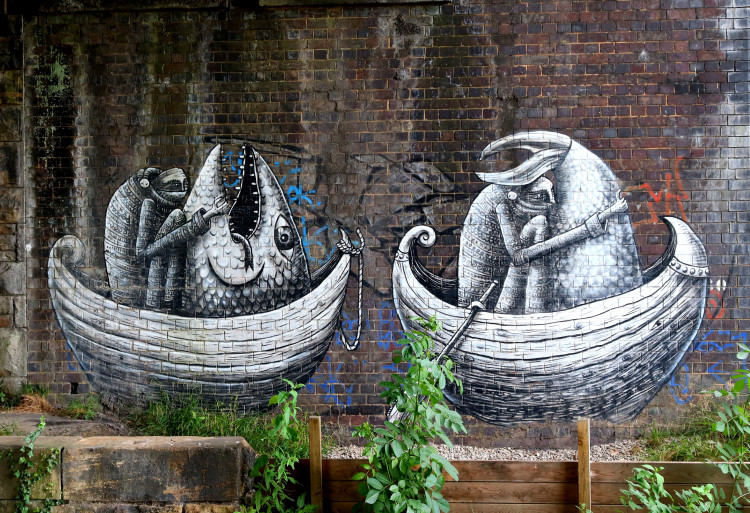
167 188
256 242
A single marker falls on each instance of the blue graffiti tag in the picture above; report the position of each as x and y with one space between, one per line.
388 334
349 324
677 389
331 384
711 342
228 159
311 240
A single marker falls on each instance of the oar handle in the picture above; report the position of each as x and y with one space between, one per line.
476 307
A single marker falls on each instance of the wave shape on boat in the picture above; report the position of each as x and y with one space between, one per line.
606 359
132 355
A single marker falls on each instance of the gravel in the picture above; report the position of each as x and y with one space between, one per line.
625 450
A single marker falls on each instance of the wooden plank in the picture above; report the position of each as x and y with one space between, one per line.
479 492
609 493
316 464
584 463
346 507
508 471
674 472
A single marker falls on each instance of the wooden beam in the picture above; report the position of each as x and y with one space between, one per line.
316 465
584 462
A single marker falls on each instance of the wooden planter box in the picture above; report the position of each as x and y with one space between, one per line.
518 486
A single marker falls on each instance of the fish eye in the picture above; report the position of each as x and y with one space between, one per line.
283 236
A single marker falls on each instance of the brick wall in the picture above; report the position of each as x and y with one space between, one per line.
374 117
12 260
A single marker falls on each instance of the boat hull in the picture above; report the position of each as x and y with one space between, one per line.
131 356
606 359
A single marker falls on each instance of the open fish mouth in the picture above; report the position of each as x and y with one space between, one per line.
245 212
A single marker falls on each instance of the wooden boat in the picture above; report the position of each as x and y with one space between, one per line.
133 355
606 359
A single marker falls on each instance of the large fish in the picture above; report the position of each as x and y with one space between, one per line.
591 269
251 260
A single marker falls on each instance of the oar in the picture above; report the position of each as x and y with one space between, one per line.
474 308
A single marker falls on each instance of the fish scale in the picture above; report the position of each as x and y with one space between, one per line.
225 277
597 268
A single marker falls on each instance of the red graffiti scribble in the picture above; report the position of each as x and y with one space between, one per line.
672 192
715 305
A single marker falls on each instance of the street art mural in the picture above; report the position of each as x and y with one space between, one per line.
214 298
551 317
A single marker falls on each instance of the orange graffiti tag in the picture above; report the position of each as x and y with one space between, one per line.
715 305
673 192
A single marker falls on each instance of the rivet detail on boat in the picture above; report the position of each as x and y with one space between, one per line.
688 270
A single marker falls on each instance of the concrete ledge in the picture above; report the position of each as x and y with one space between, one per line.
159 474
44 445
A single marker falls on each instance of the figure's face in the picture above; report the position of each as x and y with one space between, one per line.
533 199
171 185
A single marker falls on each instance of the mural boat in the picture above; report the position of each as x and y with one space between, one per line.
134 355
606 359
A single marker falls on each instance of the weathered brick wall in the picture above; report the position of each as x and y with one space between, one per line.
12 261
374 117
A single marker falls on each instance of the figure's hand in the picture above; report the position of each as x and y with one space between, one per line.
617 207
220 207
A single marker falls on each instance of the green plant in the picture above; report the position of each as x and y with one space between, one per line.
271 471
7 398
404 472
86 409
646 488
34 389
29 470
10 429
188 417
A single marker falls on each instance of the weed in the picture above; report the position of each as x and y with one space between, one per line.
10 429
29 470
87 409
7 398
731 426
34 389
188 417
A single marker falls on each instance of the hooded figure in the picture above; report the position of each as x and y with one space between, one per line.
145 234
591 247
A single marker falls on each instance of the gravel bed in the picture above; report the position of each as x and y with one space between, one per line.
625 450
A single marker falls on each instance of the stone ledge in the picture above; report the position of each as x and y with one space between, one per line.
209 473
44 445
158 469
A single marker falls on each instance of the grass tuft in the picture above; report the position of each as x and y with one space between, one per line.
188 417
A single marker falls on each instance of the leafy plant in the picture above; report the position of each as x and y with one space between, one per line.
646 488
7 398
34 389
188 417
692 440
29 470
404 472
87 409
271 471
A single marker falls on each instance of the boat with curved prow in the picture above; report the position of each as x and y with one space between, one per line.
605 359
133 354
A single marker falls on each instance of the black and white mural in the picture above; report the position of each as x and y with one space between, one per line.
208 290
550 316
